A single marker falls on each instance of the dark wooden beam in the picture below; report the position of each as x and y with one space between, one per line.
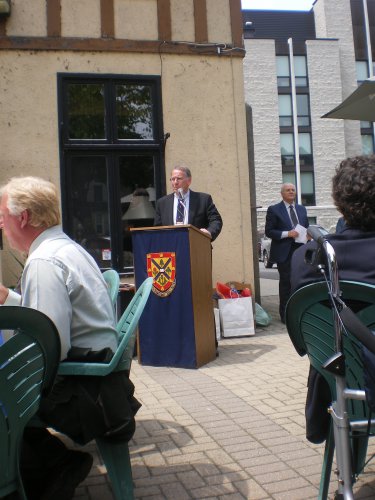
107 18
200 21
236 22
164 20
106 45
54 18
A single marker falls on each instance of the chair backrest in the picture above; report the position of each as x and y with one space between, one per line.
310 325
28 366
112 279
126 328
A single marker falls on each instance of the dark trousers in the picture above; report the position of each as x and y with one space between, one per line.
284 280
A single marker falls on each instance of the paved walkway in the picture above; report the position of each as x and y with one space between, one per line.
233 429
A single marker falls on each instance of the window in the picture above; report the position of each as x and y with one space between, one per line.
286 113
305 151
361 70
111 161
300 71
287 150
283 71
307 186
285 110
303 112
367 144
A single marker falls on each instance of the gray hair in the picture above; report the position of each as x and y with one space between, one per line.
38 196
183 169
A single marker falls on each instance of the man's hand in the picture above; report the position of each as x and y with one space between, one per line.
4 292
205 231
293 233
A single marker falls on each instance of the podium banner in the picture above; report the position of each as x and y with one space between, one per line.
166 327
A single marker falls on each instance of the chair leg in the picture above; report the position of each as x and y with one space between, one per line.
117 461
327 465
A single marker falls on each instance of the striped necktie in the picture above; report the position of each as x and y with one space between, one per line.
293 215
180 217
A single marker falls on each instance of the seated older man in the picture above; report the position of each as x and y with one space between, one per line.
62 280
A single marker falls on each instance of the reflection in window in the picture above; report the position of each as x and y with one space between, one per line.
287 150
300 71
86 115
89 206
286 114
134 112
305 152
137 190
285 110
367 144
283 71
303 110
361 71
105 181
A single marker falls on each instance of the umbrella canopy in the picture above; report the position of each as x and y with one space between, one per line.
360 105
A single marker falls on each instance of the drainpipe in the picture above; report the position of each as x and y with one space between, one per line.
295 121
369 54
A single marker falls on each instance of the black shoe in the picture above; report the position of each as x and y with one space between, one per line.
69 473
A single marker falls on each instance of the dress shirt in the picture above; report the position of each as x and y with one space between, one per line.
186 200
62 280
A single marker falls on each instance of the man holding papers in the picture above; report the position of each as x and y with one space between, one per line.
286 224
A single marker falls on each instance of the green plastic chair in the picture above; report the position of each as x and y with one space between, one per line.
112 279
116 454
28 365
309 322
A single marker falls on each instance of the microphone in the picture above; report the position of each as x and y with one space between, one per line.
315 257
181 194
316 234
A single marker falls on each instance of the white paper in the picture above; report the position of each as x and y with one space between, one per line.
302 234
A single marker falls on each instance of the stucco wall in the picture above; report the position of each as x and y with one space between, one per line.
27 18
206 123
136 19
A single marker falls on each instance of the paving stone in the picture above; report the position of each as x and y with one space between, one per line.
233 429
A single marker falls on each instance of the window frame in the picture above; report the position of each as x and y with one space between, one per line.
111 148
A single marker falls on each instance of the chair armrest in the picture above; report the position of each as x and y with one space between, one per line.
71 368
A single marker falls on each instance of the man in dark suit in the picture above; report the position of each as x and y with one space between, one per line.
281 222
197 209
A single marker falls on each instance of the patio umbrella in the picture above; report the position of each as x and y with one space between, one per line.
360 105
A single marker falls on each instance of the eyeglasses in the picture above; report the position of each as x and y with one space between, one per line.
177 179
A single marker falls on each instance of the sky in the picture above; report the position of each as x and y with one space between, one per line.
277 4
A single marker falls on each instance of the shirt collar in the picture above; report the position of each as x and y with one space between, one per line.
185 196
51 232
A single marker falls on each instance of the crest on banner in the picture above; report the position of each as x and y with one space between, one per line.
162 268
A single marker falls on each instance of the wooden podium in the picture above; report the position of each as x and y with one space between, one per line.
177 326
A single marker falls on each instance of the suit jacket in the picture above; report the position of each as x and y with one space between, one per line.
202 213
277 221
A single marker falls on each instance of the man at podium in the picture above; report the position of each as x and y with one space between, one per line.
184 206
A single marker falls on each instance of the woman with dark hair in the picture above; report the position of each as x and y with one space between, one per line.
353 191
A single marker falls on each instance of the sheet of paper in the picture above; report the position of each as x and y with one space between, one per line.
302 234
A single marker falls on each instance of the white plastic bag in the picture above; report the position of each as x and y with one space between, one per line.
236 317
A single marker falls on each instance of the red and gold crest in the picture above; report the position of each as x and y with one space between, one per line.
162 268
